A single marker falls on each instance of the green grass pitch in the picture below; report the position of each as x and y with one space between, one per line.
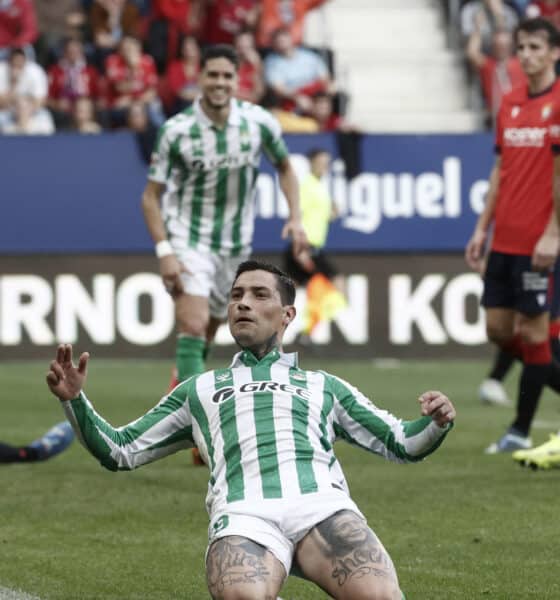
460 525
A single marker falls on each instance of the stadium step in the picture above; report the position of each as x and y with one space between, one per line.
392 57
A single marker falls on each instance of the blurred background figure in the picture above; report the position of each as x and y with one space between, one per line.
225 19
18 27
294 74
53 442
70 78
250 73
25 120
131 77
181 78
83 117
139 123
110 21
549 9
287 14
20 77
168 22
497 15
58 20
314 269
499 71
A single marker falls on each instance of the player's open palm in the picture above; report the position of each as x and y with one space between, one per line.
65 379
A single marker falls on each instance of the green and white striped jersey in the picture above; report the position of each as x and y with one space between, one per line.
266 429
210 174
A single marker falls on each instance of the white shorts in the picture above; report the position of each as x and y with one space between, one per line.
210 275
278 525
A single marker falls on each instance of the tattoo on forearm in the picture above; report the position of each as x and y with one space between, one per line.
352 548
234 561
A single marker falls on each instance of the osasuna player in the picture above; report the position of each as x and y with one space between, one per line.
521 209
204 169
277 498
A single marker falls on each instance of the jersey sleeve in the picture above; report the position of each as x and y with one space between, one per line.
360 422
271 134
164 430
161 158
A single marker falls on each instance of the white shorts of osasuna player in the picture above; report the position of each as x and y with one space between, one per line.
9 594
278 524
209 275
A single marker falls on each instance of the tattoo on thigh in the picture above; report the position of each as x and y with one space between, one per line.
352 548
235 560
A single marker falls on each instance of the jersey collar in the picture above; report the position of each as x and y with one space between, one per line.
246 358
234 117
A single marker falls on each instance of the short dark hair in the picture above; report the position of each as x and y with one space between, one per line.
219 51
539 24
315 152
284 284
17 51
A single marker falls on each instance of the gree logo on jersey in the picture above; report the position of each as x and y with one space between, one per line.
221 162
260 386
525 136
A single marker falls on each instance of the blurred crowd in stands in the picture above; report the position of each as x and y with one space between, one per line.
94 65
486 28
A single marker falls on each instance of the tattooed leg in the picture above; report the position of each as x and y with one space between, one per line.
344 557
237 567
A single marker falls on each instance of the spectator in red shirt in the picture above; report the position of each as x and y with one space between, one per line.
131 76
69 79
18 26
182 76
226 18
289 14
250 79
169 21
110 21
499 72
548 9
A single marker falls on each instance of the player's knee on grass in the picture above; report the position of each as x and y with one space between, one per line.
239 569
344 557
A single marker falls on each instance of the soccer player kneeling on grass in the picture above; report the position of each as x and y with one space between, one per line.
278 500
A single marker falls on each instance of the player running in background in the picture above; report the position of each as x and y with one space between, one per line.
314 268
277 497
204 170
519 204
53 442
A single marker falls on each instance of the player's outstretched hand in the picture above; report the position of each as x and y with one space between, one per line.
66 380
438 406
